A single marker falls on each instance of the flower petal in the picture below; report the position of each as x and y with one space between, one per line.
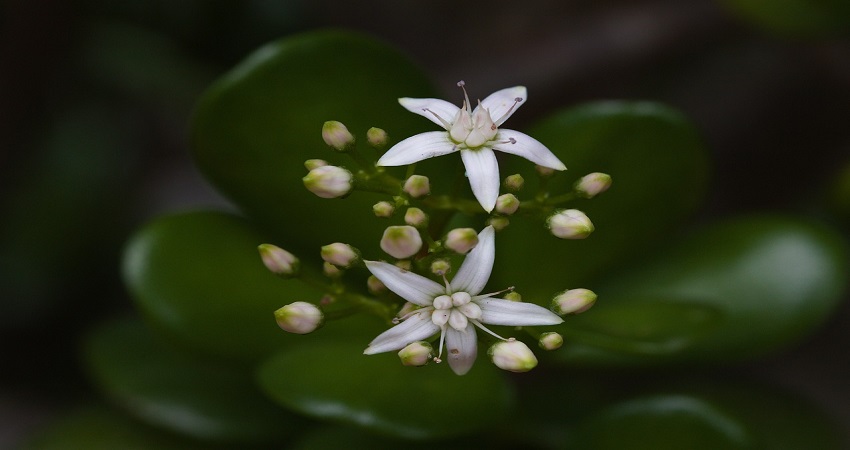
418 147
501 103
527 147
496 311
462 348
416 328
482 169
439 107
475 270
408 285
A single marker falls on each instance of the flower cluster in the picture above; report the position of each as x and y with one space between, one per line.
440 319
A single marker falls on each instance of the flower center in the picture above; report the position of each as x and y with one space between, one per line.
455 310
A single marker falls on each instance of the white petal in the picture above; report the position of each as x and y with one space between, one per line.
527 147
496 311
462 348
408 285
418 147
416 328
500 102
442 108
475 270
482 169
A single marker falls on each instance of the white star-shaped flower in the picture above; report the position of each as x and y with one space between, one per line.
453 309
475 134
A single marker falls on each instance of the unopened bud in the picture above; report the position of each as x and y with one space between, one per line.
279 261
462 240
417 186
383 209
311 164
337 136
512 355
514 182
507 204
401 241
299 317
570 224
544 171
592 184
339 254
375 285
440 267
498 223
550 341
573 301
328 181
377 137
416 354
415 217
330 270
513 296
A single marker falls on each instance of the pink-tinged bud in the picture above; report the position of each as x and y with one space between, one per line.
440 267
507 204
416 354
330 270
592 184
544 171
461 240
339 254
415 217
401 241
417 186
336 135
550 341
513 296
376 137
573 301
311 164
279 261
514 183
513 356
299 317
375 285
570 224
498 223
383 209
328 181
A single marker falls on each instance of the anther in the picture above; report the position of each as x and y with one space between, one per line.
461 85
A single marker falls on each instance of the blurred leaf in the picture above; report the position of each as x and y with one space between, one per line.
257 125
659 172
336 381
349 438
795 17
734 291
171 390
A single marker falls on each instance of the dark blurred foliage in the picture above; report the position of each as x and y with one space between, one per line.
95 98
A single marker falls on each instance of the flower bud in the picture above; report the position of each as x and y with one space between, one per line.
299 317
550 341
336 135
279 261
570 224
544 171
513 296
328 181
514 182
330 270
417 186
383 209
416 354
498 223
339 254
311 164
375 285
592 184
401 241
377 137
507 204
462 240
440 267
512 355
573 301
415 217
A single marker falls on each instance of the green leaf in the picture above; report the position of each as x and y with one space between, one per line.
172 390
737 290
658 167
795 17
336 381
256 126
198 276
349 438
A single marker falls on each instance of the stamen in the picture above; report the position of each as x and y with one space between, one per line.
437 360
446 125
509 141
448 286
479 325
397 320
461 85
442 337
505 115
483 296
